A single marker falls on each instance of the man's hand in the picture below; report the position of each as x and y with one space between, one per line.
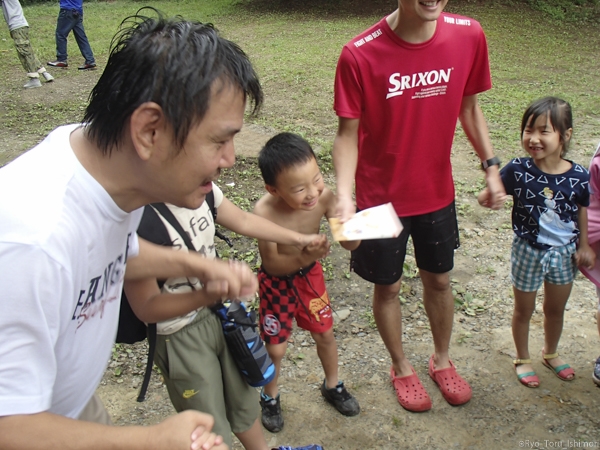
311 239
230 279
317 250
344 208
189 430
496 195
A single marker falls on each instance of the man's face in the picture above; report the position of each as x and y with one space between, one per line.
425 11
185 179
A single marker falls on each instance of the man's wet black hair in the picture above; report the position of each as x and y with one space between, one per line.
172 62
281 152
559 113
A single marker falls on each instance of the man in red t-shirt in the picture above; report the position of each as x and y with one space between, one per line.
400 87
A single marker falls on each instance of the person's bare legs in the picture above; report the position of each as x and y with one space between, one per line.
276 352
327 352
523 310
388 317
555 300
439 306
253 438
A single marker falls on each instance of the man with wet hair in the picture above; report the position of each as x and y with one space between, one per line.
159 128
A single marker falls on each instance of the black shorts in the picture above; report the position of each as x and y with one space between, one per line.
434 236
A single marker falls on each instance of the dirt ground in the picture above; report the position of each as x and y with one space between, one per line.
501 415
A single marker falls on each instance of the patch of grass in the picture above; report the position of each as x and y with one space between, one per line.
327 265
465 301
463 337
370 318
295 46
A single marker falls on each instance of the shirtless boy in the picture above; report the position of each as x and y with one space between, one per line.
291 280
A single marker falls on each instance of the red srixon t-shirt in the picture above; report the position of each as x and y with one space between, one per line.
408 97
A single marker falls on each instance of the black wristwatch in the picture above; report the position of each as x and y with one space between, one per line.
495 161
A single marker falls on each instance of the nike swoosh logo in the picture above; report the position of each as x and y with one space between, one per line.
189 393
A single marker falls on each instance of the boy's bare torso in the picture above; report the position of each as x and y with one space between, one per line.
308 222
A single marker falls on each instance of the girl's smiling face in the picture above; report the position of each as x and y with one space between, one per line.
543 141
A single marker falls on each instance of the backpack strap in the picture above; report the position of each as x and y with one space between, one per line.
149 362
164 211
210 201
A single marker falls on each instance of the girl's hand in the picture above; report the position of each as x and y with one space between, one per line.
496 193
585 256
484 198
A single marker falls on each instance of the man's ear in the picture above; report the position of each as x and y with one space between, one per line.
271 190
146 122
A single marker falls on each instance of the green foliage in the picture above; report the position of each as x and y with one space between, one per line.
535 50
370 318
465 301
570 10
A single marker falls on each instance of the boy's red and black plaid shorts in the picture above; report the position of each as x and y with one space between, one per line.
302 296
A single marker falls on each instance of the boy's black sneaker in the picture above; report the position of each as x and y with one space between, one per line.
272 419
341 399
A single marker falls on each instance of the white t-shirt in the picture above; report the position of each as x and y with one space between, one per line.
200 226
63 247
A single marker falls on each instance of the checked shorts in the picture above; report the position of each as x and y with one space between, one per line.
302 296
530 266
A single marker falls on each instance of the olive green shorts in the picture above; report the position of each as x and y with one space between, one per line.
95 412
201 374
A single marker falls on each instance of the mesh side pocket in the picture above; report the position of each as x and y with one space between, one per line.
250 356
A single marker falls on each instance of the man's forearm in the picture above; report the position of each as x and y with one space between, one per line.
345 155
49 431
345 160
183 431
475 126
232 279
151 305
155 261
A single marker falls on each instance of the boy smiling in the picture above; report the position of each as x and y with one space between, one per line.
291 279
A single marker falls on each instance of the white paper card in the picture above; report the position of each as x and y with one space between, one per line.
379 222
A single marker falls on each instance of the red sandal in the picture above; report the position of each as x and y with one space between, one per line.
410 392
454 388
